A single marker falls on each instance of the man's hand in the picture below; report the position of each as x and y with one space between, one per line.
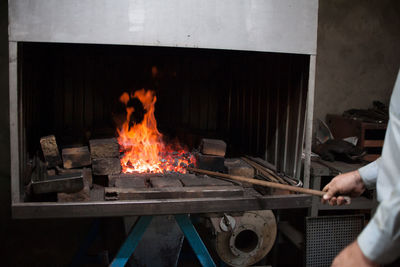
352 256
349 183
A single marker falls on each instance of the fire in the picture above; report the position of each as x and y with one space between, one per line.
142 144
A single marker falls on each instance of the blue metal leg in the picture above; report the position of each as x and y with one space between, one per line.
194 240
79 257
131 242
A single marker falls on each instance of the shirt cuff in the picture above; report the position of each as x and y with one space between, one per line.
380 239
371 242
369 174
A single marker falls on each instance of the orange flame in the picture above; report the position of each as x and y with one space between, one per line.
144 150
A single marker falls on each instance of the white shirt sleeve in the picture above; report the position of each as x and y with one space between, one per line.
380 239
369 174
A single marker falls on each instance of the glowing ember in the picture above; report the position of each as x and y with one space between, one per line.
142 144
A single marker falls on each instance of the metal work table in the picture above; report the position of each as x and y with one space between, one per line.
251 200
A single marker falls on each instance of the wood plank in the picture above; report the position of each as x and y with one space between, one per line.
106 166
162 182
199 180
116 193
50 151
104 148
76 157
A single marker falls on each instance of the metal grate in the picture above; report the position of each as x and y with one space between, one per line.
327 236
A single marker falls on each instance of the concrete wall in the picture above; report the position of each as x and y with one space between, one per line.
358 54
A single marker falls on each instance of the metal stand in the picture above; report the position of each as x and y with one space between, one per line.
183 220
80 256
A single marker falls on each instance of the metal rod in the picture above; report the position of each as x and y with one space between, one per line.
309 120
14 123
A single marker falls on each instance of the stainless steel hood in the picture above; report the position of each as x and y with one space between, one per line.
288 26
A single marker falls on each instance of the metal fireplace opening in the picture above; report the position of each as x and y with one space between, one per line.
239 72
255 101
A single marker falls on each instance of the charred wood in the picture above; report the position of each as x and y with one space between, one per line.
209 162
76 157
213 147
50 150
106 166
104 148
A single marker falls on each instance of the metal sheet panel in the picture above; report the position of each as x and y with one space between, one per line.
261 25
327 236
157 206
14 123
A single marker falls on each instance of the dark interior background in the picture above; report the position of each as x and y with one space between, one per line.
244 98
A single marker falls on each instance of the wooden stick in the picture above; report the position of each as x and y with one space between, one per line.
260 182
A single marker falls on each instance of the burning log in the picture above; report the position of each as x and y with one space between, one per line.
209 162
76 157
144 150
104 148
50 151
106 166
213 147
